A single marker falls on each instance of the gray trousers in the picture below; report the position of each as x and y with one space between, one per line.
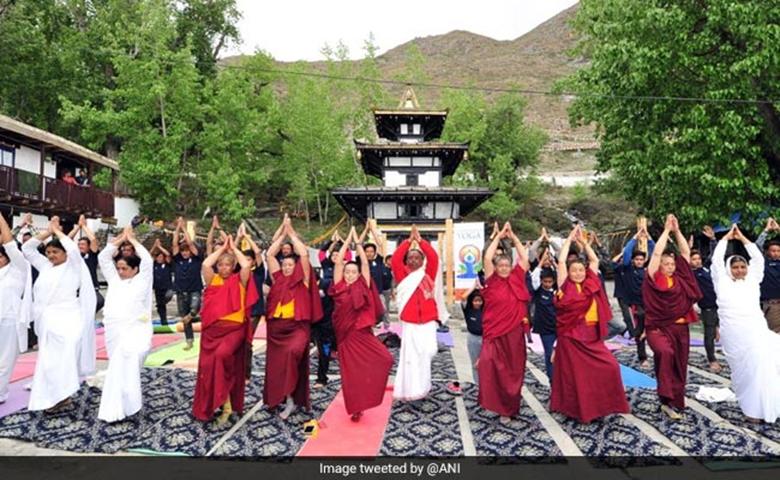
709 318
474 345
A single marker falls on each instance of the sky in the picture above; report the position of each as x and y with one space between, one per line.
297 29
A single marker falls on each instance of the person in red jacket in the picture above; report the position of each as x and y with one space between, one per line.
415 271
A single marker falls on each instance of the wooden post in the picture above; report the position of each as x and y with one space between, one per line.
641 223
42 191
448 252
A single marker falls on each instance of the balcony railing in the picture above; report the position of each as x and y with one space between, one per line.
24 187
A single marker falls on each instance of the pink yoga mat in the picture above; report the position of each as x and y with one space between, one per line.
339 436
25 366
261 331
18 398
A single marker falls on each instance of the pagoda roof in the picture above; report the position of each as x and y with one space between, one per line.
372 155
387 122
355 200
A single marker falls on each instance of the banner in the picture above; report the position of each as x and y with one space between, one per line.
468 243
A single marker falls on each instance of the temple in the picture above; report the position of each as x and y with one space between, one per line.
412 164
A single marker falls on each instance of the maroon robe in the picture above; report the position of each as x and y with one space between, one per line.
223 347
586 381
502 358
287 351
364 361
668 339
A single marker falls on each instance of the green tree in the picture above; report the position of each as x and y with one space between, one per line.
317 153
207 27
702 160
152 108
503 149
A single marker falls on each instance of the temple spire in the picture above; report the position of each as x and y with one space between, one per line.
409 100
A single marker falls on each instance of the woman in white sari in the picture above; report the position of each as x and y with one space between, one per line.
15 302
64 316
128 321
751 348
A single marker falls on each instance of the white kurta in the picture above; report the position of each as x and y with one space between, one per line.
128 322
14 318
62 324
418 347
750 347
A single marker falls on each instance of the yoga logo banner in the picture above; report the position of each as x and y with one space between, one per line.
468 242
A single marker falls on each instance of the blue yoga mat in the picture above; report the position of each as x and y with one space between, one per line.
636 379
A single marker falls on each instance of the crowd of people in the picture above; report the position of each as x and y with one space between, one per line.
49 280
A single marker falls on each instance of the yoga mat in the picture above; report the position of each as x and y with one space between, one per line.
633 378
25 366
17 399
157 342
445 338
612 346
536 346
699 342
261 331
339 436
172 353
164 329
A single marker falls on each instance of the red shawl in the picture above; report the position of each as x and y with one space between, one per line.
664 305
506 304
572 305
308 306
220 301
357 303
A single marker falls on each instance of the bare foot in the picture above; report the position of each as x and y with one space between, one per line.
505 420
188 346
288 409
644 364
715 367
356 416
753 420
318 385
671 413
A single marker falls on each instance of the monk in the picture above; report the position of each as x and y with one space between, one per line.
586 382
293 304
364 361
669 292
415 271
501 364
226 333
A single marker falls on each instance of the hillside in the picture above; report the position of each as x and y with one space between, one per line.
533 61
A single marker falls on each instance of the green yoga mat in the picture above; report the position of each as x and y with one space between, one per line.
173 353
164 329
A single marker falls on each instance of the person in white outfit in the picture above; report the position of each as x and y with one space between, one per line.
127 317
15 303
751 348
64 316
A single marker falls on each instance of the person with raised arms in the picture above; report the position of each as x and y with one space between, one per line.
128 326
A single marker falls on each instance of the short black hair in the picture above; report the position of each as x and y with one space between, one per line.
369 245
85 239
772 242
132 261
55 243
249 253
638 253
546 273
695 251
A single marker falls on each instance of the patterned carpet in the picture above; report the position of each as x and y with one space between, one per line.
695 434
492 438
265 434
77 428
180 432
698 359
427 427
